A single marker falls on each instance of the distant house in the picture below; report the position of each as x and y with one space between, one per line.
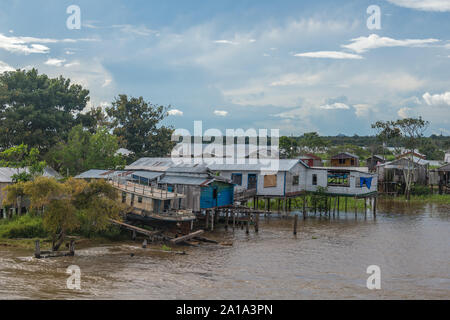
444 179
391 175
312 160
373 161
447 157
6 175
345 159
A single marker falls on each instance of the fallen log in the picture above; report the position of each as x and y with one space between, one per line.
186 237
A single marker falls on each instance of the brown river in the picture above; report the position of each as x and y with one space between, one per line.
328 259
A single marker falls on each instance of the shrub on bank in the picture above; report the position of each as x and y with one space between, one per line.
419 190
27 226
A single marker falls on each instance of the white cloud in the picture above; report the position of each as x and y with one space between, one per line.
72 64
27 45
329 55
425 5
363 44
296 79
106 83
4 67
136 30
225 42
334 106
404 112
220 113
362 110
175 112
437 99
55 62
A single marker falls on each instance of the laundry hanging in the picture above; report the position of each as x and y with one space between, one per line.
365 181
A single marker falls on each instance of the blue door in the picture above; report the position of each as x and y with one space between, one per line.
252 183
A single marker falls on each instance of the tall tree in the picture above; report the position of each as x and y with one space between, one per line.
288 147
138 124
313 142
410 131
37 110
84 151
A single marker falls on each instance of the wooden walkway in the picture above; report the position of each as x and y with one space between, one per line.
146 191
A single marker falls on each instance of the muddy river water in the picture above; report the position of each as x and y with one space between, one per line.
328 259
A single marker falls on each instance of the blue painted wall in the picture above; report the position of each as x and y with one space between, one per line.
225 195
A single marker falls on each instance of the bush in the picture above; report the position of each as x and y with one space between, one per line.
418 190
26 226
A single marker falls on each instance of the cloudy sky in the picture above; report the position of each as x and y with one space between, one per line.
293 65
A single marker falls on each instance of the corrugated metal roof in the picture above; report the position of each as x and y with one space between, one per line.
283 165
99 174
7 173
177 179
147 174
343 155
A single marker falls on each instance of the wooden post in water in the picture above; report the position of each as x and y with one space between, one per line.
247 225
334 208
375 207
356 206
227 219
365 207
338 204
234 218
212 219
290 204
206 219
37 249
256 215
304 207
295 224
72 248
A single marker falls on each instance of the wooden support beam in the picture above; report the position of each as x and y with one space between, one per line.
37 249
295 224
375 207
247 225
187 237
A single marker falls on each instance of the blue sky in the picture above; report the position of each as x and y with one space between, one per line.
297 66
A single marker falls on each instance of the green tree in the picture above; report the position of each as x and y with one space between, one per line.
313 142
84 151
410 132
288 147
37 110
69 205
138 125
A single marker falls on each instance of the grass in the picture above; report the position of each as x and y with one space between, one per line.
28 226
429 198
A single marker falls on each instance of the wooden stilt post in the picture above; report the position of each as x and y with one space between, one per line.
356 207
334 208
207 219
375 207
256 222
227 219
346 198
295 224
72 248
304 207
213 214
247 225
290 204
338 204
268 204
365 207
133 236
234 219
37 249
